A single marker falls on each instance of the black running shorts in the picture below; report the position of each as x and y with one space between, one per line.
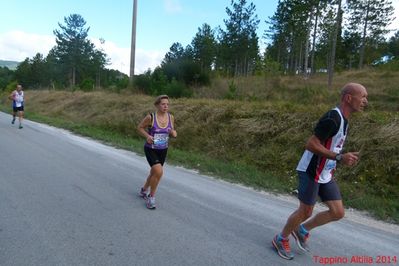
16 109
309 189
155 156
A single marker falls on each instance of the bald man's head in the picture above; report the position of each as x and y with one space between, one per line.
353 98
352 89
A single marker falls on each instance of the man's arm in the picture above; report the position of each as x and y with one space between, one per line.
314 145
11 96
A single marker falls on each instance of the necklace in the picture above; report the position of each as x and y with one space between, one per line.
162 120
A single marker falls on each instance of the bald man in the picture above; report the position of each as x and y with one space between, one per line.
316 168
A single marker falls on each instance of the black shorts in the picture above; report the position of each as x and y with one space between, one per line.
309 189
16 109
155 156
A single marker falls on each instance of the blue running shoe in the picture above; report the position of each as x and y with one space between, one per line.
301 240
282 247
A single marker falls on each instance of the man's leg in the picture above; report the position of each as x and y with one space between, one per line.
20 117
301 233
307 194
14 114
296 218
331 196
335 212
281 241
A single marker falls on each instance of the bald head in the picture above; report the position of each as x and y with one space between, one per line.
353 98
352 89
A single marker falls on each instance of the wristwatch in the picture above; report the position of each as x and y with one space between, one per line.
338 157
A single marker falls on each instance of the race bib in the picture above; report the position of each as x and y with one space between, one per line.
331 165
161 140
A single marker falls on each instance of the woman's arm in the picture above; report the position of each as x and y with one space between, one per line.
173 132
142 128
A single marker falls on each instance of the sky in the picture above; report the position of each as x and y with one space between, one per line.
26 26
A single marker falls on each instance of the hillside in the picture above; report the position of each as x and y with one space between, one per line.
12 65
256 142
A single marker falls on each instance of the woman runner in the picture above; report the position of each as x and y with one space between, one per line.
156 128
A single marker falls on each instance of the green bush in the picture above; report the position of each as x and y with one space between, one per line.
177 89
123 83
87 84
158 82
186 71
6 76
143 82
232 92
11 87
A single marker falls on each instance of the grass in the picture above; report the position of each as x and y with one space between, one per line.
255 139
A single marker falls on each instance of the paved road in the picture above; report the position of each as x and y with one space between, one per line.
67 200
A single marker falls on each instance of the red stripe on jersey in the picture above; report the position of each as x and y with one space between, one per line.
322 163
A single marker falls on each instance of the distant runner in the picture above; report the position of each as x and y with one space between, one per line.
156 128
316 169
17 98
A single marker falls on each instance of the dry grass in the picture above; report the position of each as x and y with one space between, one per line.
382 85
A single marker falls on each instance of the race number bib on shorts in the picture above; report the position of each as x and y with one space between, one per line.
161 140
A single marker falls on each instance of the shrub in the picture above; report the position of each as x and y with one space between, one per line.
232 92
158 82
177 89
143 82
87 84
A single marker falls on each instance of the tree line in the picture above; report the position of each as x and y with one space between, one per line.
74 62
303 37
309 36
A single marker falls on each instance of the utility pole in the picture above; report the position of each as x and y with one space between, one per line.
133 44
334 45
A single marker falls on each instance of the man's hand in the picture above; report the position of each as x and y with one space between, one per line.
350 158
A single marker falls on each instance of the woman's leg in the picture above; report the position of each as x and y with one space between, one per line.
154 178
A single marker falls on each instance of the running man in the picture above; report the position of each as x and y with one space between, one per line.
316 169
156 128
17 97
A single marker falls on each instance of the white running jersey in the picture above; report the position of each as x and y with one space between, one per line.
325 167
19 98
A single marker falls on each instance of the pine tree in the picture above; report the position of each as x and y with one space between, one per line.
239 48
370 19
74 52
204 47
